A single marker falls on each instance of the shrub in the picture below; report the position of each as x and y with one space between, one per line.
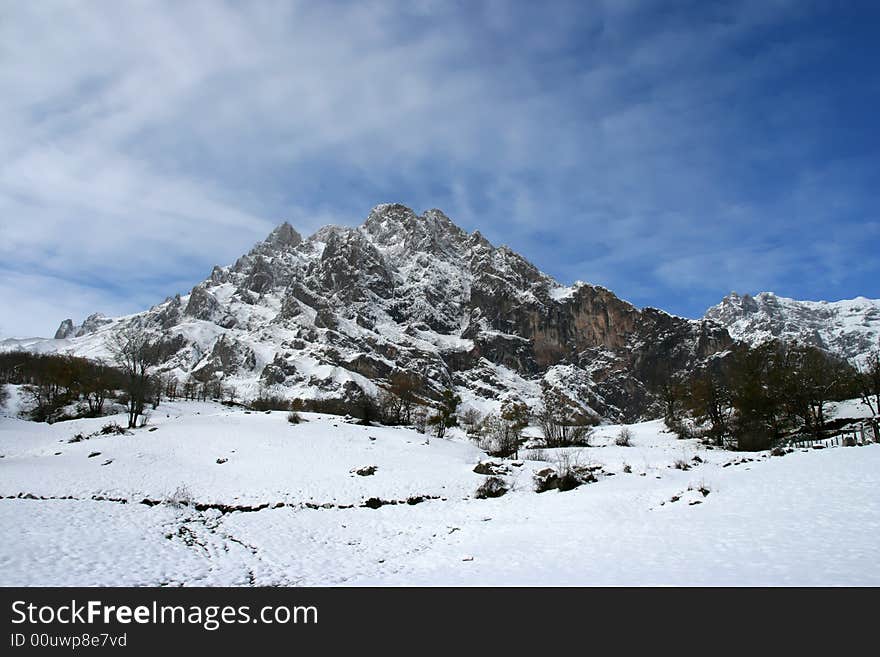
561 424
537 454
568 482
624 438
470 419
266 402
293 417
500 437
112 429
179 498
681 464
570 473
420 419
492 487
446 413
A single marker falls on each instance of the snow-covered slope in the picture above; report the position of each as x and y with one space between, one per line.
271 503
335 315
848 328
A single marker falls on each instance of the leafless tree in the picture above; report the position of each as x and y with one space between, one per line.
560 425
869 382
130 350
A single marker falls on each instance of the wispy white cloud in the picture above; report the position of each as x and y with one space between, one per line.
144 141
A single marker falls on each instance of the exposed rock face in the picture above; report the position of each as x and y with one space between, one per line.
227 356
65 330
91 324
336 315
849 328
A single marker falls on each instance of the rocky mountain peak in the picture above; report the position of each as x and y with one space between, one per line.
848 328
284 236
398 230
732 307
334 317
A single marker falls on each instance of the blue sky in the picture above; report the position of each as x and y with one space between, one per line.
671 151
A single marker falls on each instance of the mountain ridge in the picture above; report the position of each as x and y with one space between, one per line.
333 316
848 328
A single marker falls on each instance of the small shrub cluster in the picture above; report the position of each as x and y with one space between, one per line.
267 402
181 497
537 454
624 438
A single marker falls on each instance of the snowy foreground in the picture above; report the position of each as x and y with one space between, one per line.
274 512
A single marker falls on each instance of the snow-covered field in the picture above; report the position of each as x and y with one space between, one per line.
282 506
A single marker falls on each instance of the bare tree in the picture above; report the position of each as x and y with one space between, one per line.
130 350
869 382
97 387
397 402
502 433
561 425
821 379
445 415
709 400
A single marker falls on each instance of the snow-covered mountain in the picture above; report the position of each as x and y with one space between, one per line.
849 328
335 315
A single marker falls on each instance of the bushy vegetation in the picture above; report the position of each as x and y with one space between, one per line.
54 381
398 402
60 387
269 402
500 434
624 437
444 415
561 424
756 396
868 382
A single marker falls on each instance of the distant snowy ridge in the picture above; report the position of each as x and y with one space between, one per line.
849 328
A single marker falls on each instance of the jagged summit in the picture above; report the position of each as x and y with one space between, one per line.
335 315
284 236
398 230
849 328
93 322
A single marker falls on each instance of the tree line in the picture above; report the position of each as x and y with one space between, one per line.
54 381
747 399
752 397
